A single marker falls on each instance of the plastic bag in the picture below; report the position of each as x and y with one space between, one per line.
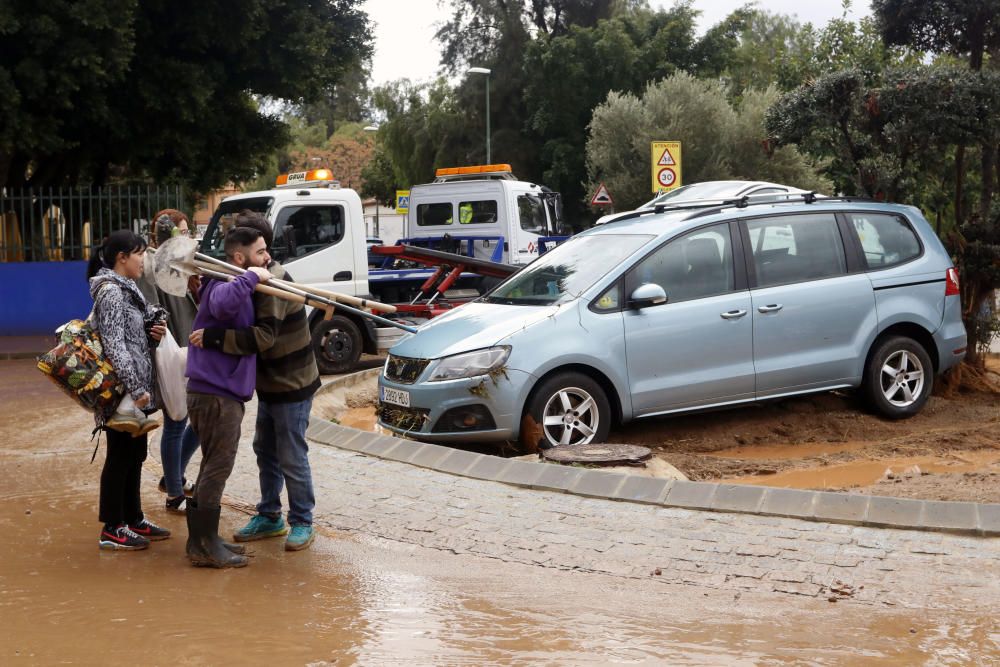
171 361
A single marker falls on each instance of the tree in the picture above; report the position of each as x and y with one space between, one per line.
424 128
346 153
380 179
170 97
719 141
569 75
60 61
876 136
348 101
965 27
481 31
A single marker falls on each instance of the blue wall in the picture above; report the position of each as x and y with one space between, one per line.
37 297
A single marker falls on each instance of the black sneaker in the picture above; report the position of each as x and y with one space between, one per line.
175 505
150 530
123 538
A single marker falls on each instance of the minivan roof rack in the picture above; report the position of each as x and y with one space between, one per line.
703 207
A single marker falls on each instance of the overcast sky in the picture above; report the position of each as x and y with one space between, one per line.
405 44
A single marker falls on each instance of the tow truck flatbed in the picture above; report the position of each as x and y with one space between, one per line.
430 257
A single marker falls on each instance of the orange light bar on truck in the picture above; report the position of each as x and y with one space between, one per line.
475 169
296 177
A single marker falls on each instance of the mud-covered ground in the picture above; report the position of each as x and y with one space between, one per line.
950 451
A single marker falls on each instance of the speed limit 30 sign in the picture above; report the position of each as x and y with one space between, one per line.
665 160
666 177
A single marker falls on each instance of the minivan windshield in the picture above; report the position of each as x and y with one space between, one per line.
566 271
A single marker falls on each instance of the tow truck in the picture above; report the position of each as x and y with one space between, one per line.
319 236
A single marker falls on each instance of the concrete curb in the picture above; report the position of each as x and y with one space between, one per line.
965 518
874 511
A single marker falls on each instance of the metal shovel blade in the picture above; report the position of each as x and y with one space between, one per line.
173 264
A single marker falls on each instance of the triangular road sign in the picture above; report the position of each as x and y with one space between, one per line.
666 160
602 197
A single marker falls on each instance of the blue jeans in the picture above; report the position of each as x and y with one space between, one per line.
178 444
283 460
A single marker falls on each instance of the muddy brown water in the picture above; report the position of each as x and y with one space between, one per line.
352 599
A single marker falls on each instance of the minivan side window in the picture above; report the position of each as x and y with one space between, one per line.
300 230
432 215
793 248
695 265
886 239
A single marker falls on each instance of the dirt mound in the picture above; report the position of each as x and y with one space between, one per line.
829 441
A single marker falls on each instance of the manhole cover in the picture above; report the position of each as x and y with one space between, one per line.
602 454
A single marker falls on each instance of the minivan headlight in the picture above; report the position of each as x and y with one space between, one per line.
470 364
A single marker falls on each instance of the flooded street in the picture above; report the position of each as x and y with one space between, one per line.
357 599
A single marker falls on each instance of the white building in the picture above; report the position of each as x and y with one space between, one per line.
382 222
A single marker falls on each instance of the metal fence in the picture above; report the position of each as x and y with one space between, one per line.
62 224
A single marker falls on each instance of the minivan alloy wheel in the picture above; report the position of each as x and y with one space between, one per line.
899 377
571 408
570 417
902 378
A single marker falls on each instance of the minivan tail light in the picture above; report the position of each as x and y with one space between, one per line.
951 283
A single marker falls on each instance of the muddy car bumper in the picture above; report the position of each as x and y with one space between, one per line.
951 344
466 410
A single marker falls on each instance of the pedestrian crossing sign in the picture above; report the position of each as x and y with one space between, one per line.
402 201
666 164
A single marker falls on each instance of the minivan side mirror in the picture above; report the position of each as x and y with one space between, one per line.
647 294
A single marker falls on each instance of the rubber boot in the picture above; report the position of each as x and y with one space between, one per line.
195 548
205 548
238 549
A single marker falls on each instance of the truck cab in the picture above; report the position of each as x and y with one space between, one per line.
486 212
319 237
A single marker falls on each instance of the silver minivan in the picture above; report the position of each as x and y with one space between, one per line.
692 308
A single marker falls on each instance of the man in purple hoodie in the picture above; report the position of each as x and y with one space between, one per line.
219 385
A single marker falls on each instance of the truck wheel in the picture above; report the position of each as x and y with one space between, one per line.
337 343
572 409
898 378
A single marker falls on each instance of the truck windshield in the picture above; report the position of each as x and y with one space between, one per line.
224 217
553 204
563 273
541 214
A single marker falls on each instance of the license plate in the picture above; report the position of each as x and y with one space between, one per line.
396 397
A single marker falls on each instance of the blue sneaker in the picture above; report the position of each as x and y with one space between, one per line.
261 527
300 538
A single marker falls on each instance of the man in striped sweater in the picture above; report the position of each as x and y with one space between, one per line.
287 378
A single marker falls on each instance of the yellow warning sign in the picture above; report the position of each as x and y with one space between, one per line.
402 201
666 163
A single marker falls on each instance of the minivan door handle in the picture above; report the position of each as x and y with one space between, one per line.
733 314
342 275
774 307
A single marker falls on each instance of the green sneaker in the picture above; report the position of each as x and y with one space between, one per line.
261 527
300 538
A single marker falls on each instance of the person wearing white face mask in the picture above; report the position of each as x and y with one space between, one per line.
178 442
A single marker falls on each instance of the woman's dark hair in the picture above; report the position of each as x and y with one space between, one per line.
104 256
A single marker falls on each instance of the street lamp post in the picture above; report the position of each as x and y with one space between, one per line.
374 128
483 70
